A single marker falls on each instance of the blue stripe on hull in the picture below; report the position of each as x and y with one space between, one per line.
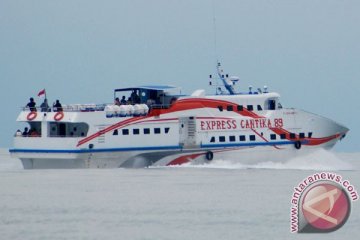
93 150
175 147
248 144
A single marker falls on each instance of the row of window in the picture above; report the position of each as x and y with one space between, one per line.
290 135
271 105
137 131
239 108
242 138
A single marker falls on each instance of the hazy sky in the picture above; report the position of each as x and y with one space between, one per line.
80 50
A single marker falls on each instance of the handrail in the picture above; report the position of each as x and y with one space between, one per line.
51 136
87 107
70 108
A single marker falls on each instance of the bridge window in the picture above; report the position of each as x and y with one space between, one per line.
157 130
167 129
220 108
283 136
242 138
221 139
212 139
273 136
146 130
230 108
252 137
271 104
310 134
240 108
232 138
292 136
259 108
250 107
301 135
116 132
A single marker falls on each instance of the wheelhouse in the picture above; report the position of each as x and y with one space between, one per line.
153 96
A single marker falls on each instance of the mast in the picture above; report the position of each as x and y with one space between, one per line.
228 84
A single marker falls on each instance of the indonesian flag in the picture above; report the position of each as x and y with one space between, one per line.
42 92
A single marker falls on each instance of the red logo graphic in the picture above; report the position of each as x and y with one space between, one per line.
325 207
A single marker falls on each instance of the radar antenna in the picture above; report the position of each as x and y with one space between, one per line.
228 83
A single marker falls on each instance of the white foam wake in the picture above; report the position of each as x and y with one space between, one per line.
319 160
7 163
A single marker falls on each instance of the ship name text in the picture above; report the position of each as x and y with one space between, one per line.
206 125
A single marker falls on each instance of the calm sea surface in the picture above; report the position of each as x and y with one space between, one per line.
215 201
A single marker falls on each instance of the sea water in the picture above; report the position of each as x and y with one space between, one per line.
211 201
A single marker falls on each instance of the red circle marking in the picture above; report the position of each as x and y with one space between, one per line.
326 206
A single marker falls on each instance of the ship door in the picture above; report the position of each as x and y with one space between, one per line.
62 130
101 138
187 132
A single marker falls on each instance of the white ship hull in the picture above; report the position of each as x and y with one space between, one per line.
158 127
186 134
140 159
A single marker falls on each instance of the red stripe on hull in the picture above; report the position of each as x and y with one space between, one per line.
308 141
184 159
196 103
180 105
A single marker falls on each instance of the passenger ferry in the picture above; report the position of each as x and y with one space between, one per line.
159 126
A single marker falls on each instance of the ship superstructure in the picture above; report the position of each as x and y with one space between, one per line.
157 125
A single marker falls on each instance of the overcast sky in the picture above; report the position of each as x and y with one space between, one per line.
80 50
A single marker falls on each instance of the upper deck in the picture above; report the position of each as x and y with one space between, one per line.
145 100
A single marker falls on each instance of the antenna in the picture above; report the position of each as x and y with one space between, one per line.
214 31
228 83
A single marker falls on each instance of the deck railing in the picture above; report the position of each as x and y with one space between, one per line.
85 107
70 108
